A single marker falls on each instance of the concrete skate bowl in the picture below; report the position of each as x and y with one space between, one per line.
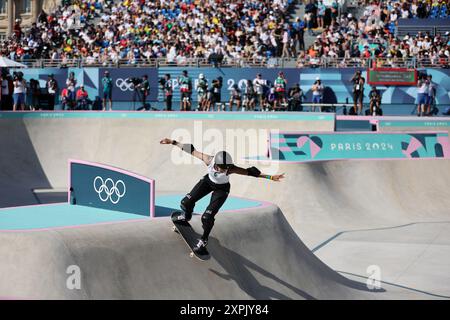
260 253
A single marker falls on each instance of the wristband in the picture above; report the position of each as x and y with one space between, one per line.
174 142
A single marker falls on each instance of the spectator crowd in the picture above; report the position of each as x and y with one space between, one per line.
106 32
102 31
370 39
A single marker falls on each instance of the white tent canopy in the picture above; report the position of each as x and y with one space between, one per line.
8 63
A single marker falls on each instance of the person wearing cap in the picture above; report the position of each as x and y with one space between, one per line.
280 91
202 89
216 181
52 90
107 83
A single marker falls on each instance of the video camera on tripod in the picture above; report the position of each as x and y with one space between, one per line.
135 81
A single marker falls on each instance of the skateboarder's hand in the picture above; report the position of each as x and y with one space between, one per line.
166 141
278 177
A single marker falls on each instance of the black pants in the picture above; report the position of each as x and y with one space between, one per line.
51 101
202 188
6 103
169 103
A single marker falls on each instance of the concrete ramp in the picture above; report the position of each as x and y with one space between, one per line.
333 219
254 254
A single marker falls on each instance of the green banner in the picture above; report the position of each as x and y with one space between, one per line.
285 116
413 123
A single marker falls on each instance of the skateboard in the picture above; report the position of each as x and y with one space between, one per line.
189 236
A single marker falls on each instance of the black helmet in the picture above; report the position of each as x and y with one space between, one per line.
223 160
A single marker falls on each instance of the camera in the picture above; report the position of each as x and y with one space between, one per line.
162 82
135 81
18 75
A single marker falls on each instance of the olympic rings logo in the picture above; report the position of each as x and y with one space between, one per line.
123 85
108 190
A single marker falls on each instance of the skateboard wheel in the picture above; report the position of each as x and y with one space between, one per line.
191 254
174 229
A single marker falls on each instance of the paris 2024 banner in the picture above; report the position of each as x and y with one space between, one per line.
304 146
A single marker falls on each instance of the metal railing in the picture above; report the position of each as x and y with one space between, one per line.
413 30
307 62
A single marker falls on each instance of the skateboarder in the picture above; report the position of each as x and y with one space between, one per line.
216 181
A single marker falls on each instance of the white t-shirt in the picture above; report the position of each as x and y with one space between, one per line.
423 88
20 87
216 176
258 84
318 91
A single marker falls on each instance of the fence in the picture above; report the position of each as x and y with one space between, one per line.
308 62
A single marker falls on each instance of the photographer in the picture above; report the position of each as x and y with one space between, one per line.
248 102
235 97
145 89
166 86
280 91
295 99
19 91
185 83
6 90
33 93
216 93
375 102
141 89
202 89
358 91
259 85
52 89
71 83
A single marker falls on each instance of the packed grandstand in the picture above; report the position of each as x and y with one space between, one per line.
239 32
340 38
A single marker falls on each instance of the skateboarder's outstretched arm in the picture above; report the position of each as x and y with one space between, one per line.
189 148
254 172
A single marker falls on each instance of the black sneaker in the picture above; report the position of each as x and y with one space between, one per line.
201 245
184 217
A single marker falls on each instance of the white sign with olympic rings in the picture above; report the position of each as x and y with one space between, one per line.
124 85
109 190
